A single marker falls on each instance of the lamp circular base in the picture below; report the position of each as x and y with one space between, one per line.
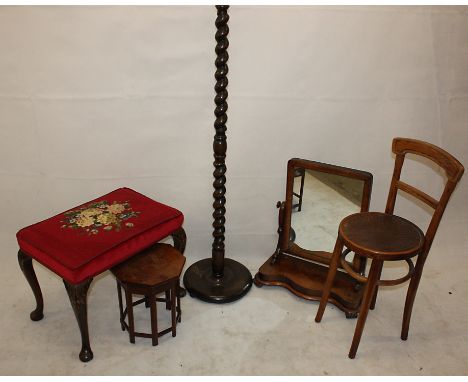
201 283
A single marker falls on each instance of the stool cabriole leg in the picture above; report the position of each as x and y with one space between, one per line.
77 293
180 240
25 263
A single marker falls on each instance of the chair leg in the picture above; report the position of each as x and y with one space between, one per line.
374 297
376 268
330 278
25 263
131 322
154 319
410 296
77 294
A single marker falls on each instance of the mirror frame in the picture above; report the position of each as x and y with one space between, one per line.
288 247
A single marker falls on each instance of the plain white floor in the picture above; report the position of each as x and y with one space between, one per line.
268 332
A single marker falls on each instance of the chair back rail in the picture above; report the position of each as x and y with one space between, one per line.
452 167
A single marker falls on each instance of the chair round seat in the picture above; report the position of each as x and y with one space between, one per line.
381 236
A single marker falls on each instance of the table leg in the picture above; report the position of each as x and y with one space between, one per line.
77 294
25 263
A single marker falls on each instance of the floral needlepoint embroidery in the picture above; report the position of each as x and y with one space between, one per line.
100 216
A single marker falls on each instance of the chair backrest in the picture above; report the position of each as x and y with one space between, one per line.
453 169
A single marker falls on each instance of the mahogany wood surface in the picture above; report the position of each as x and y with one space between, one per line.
154 271
305 279
219 280
387 237
303 270
153 266
381 236
78 294
25 263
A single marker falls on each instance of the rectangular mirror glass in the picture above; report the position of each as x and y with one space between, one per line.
320 201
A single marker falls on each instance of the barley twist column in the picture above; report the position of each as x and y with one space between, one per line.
219 141
219 279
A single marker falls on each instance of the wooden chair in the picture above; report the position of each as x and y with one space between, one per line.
387 237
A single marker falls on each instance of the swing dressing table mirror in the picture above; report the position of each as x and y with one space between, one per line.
318 197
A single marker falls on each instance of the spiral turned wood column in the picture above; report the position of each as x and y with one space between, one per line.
219 141
219 279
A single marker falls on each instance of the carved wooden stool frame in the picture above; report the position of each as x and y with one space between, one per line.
77 294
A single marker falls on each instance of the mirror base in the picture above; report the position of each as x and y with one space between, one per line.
305 279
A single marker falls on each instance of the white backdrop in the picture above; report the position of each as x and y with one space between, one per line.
95 98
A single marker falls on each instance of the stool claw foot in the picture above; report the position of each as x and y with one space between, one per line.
36 315
86 355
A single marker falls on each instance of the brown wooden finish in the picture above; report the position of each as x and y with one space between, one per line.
180 239
78 295
280 231
300 270
305 279
219 279
154 271
381 236
300 172
386 237
160 263
219 139
25 263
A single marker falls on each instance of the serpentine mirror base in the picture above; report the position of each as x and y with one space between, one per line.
306 279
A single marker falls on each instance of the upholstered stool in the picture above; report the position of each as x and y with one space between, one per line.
152 272
92 238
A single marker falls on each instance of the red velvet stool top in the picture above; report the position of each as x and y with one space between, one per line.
93 237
